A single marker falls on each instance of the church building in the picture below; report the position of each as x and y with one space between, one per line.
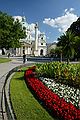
32 45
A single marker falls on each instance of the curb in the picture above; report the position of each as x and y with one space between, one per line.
6 106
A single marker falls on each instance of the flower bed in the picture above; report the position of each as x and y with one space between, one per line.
57 105
70 94
61 72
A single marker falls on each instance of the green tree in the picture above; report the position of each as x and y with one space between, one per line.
67 42
56 52
52 52
77 47
10 31
59 52
75 29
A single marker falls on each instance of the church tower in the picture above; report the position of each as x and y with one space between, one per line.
36 40
36 36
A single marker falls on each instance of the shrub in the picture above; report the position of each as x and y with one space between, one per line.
61 72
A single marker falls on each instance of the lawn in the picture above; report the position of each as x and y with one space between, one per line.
25 106
3 60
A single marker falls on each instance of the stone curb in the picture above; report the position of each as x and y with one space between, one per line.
6 106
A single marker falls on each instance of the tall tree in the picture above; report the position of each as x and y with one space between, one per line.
59 52
10 31
67 42
75 29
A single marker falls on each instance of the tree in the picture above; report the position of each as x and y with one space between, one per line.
56 52
59 52
77 47
10 31
52 52
67 42
75 29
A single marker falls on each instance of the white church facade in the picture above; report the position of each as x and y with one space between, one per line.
32 45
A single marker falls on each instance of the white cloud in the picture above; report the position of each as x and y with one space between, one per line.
32 28
18 17
47 37
63 22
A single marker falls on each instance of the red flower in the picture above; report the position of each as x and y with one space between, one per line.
52 101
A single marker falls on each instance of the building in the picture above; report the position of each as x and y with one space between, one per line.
50 46
32 45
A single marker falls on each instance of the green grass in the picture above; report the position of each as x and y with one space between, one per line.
3 60
25 106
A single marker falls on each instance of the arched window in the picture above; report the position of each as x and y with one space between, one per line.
41 52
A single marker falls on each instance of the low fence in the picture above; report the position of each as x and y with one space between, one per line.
42 59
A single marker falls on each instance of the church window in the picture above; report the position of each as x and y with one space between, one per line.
41 43
42 38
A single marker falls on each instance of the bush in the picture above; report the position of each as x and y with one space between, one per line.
61 72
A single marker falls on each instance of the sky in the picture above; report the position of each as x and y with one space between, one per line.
54 17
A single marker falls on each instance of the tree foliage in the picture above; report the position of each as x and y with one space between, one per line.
75 27
67 41
10 31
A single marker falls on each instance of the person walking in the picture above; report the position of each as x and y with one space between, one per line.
24 58
8 55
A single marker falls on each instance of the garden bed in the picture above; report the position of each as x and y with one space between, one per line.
60 72
25 106
57 105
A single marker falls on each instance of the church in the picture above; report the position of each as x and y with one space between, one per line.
32 45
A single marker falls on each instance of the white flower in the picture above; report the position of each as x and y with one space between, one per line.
70 94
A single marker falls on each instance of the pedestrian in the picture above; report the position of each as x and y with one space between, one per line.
24 58
8 55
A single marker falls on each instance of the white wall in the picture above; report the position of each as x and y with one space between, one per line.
0 52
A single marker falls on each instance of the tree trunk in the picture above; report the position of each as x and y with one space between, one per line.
68 60
60 57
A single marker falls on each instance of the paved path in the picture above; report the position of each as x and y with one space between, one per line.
5 68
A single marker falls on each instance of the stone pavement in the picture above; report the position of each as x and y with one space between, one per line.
4 69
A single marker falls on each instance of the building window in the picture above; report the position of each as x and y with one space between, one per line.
42 38
41 43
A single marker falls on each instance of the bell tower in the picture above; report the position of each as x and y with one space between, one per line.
36 40
36 36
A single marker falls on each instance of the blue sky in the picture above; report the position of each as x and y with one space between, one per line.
53 16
